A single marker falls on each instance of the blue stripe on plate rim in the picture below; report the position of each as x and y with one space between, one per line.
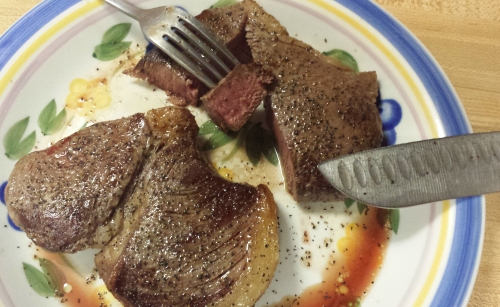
461 269
13 39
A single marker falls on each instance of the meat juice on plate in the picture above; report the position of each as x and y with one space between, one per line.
329 252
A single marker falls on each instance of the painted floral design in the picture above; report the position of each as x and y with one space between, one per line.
15 145
257 141
87 96
391 115
49 120
112 44
344 57
2 200
221 3
49 281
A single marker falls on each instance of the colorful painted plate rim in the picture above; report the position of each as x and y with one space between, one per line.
462 265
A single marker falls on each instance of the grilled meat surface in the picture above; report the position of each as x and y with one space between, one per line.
65 197
318 108
186 230
177 233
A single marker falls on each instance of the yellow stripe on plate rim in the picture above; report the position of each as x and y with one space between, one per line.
42 39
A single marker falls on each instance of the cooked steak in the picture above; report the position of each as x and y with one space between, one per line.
228 25
177 233
317 108
236 97
187 230
65 197
158 69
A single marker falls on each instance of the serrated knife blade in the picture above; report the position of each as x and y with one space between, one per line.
419 172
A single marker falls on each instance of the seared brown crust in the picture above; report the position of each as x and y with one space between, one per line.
318 108
64 197
186 235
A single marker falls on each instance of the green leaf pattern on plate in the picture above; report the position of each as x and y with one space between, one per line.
361 207
344 57
389 214
112 44
252 143
222 3
218 139
242 134
208 128
116 33
54 275
258 141
47 282
15 146
38 280
348 202
50 122
394 220
268 147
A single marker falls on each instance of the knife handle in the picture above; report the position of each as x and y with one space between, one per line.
419 172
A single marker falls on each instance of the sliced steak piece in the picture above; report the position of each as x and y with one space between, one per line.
65 197
228 24
236 97
317 108
159 70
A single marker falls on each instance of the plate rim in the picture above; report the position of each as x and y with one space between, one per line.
450 111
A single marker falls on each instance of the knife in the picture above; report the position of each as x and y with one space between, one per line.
419 172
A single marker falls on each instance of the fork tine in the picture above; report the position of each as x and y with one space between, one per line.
182 60
193 52
207 34
197 42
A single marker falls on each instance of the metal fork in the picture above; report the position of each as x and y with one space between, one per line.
184 39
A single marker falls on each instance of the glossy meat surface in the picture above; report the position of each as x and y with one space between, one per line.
65 197
187 231
318 108
177 234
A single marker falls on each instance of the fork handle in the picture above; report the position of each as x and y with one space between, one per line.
129 9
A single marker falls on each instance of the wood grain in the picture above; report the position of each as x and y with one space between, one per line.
463 36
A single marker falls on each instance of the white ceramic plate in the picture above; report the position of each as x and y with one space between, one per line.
432 261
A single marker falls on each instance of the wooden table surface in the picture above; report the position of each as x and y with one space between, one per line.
464 37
